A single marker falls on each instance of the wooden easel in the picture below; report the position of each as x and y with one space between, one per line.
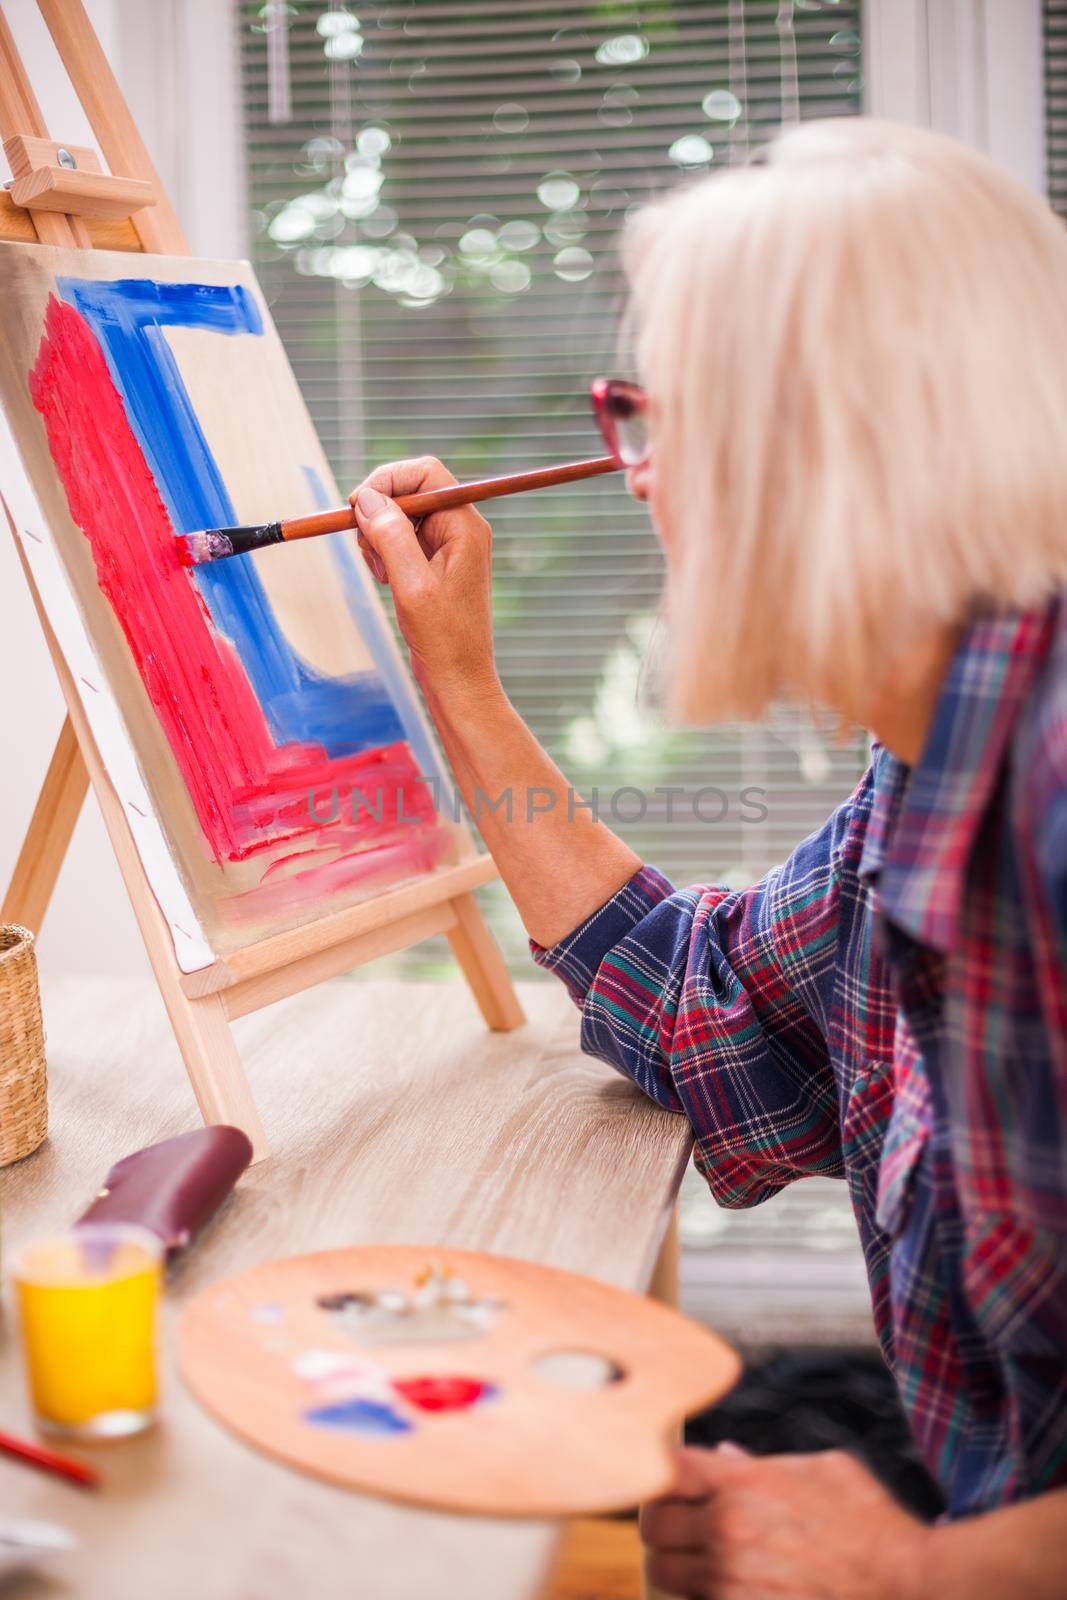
60 196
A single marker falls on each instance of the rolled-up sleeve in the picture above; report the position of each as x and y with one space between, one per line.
717 1003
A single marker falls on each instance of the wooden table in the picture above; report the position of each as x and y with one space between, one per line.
393 1116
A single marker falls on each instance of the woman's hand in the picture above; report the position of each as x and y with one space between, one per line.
440 575
560 863
798 1527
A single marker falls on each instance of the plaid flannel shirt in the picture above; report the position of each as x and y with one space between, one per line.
889 1006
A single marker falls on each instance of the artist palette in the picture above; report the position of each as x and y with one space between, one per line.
450 1379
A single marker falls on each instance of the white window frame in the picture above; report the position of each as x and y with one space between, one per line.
177 61
969 68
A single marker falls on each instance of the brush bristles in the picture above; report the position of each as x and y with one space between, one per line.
215 544
195 548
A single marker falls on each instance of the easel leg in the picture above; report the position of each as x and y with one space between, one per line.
665 1287
49 833
482 965
213 1064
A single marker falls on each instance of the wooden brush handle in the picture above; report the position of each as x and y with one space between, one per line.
465 494
457 494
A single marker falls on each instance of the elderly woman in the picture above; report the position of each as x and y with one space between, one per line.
852 437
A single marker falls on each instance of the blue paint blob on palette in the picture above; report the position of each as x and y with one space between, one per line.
360 1416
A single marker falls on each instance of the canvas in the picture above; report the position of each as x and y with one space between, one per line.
254 715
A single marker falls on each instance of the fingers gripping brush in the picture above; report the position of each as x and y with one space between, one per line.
215 544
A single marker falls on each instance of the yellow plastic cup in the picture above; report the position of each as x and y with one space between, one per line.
88 1304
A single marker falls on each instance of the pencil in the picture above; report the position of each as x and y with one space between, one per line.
215 544
49 1461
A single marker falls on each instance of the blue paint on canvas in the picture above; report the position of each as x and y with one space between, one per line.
343 714
368 619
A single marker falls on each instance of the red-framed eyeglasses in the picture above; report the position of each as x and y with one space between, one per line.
621 411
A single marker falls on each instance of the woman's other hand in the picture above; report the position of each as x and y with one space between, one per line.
439 572
795 1527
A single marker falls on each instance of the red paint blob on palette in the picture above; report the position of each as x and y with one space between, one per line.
445 1392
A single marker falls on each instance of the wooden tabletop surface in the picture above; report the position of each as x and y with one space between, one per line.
393 1116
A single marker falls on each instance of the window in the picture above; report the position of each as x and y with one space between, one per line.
437 188
1055 58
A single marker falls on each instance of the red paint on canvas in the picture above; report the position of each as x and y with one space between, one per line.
249 794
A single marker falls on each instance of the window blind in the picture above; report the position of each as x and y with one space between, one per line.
1055 57
436 191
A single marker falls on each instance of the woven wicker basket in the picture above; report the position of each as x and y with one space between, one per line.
23 1088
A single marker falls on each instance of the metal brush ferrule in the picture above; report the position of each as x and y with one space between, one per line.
245 540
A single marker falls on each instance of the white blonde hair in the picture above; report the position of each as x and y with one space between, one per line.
857 357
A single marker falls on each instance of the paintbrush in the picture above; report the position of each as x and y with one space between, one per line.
49 1461
214 544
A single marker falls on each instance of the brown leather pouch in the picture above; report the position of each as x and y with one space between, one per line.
173 1187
